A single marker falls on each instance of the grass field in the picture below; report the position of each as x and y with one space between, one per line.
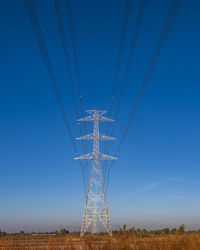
171 242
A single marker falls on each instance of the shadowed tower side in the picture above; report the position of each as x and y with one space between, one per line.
96 205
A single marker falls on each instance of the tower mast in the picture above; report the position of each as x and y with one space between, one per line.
96 204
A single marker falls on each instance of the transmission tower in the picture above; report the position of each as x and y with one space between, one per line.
96 205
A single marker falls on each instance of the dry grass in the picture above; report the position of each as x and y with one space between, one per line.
120 242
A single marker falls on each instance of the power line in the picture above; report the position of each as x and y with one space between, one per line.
130 58
67 61
107 180
120 53
164 34
131 54
116 74
44 52
66 54
166 29
69 9
37 29
74 48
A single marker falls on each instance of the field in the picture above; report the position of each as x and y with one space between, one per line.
103 242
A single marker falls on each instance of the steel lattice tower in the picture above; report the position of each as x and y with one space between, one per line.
96 204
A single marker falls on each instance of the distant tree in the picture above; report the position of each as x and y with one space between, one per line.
145 233
192 231
181 229
166 231
2 233
173 231
138 232
21 232
64 231
132 230
155 232
124 228
120 233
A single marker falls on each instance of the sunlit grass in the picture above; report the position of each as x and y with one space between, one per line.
103 242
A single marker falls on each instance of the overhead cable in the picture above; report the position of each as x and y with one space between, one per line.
128 65
74 47
66 53
37 29
175 6
165 32
120 53
44 52
116 75
68 64
130 55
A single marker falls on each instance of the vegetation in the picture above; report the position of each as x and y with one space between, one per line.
123 239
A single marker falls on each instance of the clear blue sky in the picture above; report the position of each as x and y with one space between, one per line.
156 181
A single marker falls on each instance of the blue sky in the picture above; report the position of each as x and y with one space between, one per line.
155 183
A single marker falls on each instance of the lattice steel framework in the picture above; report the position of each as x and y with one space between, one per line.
96 204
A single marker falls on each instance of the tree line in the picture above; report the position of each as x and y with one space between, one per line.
145 233
124 230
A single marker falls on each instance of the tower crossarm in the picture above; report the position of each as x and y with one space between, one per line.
91 156
86 119
85 157
107 157
106 138
105 119
101 137
85 137
90 119
97 117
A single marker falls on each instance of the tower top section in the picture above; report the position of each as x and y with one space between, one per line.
96 115
92 111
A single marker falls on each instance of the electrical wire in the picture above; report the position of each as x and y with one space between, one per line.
74 47
175 6
66 53
128 65
44 52
130 56
69 69
120 53
165 32
116 75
